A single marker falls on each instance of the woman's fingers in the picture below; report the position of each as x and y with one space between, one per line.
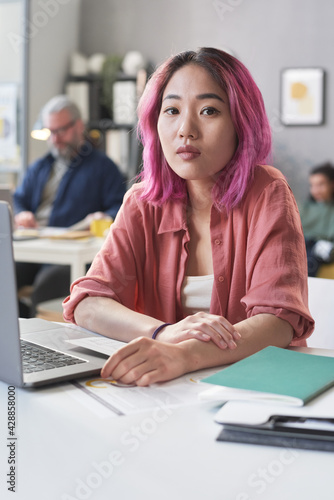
117 359
143 362
222 333
205 327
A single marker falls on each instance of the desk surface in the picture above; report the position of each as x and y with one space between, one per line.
76 253
65 451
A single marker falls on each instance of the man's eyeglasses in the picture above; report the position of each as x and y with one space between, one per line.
62 130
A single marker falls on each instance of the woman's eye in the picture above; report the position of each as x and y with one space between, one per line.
209 111
171 111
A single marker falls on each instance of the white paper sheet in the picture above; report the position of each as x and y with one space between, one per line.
106 399
95 343
255 413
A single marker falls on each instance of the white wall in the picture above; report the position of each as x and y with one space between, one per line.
10 24
11 70
54 35
266 35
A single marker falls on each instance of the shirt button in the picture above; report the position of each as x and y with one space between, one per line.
217 242
221 279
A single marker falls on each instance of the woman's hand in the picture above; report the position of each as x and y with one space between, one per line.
145 361
202 326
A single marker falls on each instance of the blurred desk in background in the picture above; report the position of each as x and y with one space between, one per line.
76 253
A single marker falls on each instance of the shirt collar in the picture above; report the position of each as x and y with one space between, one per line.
174 217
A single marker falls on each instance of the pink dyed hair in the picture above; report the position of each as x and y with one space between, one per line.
248 115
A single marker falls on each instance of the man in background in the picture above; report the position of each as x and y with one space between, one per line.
72 182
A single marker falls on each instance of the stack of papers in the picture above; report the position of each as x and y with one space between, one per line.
267 393
50 232
305 427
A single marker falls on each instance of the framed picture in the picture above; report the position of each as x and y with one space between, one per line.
302 96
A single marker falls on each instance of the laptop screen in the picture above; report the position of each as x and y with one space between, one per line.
6 195
10 359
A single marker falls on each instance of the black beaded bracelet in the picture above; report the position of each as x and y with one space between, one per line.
157 330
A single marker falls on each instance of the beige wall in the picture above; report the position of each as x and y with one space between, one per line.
267 35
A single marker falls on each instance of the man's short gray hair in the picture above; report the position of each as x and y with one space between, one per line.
57 104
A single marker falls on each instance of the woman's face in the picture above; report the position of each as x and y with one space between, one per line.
195 127
321 188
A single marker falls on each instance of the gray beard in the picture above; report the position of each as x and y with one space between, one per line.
64 156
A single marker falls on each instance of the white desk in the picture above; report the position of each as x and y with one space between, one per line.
76 253
65 451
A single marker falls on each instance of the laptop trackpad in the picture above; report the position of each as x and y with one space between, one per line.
55 336
35 325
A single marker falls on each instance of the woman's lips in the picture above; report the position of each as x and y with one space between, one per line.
188 152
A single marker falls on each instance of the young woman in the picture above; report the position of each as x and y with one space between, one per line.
207 253
317 215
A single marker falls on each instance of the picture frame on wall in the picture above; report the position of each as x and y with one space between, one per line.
302 96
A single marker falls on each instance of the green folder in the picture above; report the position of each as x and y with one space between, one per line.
295 375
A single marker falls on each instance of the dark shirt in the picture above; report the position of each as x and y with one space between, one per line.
91 184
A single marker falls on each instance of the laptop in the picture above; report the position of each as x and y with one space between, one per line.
21 364
6 194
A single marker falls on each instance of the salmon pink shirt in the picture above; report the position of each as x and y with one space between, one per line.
258 252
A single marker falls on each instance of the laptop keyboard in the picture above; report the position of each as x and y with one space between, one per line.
36 358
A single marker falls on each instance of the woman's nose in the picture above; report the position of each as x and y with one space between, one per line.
188 127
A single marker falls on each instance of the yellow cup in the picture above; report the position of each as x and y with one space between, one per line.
100 227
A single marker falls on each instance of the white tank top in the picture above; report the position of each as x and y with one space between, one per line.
196 293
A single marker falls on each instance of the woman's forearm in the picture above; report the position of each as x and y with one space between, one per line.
146 361
256 333
110 318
